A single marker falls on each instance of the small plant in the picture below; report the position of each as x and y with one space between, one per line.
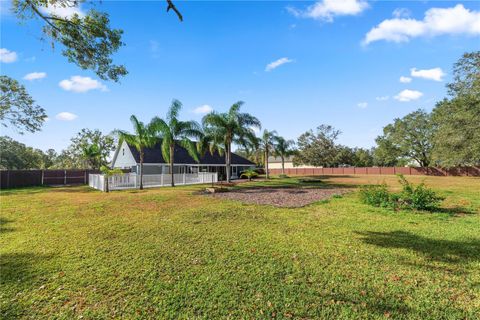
249 174
376 195
417 197
283 176
411 197
108 173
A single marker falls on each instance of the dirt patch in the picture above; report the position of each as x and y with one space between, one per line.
281 197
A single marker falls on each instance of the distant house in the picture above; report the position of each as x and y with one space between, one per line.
127 157
276 163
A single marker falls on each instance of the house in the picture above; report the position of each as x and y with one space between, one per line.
128 157
275 163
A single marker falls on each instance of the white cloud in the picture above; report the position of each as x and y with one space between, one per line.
326 10
203 109
382 98
66 11
401 13
7 56
66 116
408 95
405 79
437 21
81 84
277 63
35 76
362 105
435 74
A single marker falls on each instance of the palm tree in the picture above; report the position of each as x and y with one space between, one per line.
173 131
92 155
230 127
267 143
144 137
283 148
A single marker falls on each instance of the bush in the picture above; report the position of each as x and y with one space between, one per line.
249 174
375 195
411 197
283 176
417 197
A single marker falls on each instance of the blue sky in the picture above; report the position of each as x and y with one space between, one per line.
342 65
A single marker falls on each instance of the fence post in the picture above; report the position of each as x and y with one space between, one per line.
64 177
42 176
184 175
85 177
161 179
8 178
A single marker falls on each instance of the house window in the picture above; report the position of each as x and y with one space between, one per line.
123 151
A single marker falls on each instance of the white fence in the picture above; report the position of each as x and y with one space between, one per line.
132 180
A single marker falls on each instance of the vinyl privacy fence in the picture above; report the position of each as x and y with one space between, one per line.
427 171
31 178
132 180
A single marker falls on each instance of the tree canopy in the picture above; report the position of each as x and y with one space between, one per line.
410 137
18 108
317 148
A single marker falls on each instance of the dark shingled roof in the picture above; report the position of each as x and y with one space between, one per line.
154 155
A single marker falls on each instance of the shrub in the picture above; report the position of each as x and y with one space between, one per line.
249 174
417 197
411 197
375 195
283 176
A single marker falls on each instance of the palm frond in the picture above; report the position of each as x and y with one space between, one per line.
166 150
174 110
189 145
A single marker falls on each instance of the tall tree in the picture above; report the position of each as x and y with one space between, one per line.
230 127
17 156
466 76
267 145
283 149
457 120
144 136
90 147
457 135
18 108
411 136
172 131
317 148
93 156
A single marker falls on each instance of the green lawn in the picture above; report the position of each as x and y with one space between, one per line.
172 253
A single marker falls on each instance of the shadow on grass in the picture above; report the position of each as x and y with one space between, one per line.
20 271
32 190
450 251
3 223
455 211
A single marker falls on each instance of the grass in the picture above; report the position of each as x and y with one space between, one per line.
173 253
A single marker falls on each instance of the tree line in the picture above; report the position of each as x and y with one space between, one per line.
447 136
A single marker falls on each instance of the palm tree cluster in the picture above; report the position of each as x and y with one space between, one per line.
217 133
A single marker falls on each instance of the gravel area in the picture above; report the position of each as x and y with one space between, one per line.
280 197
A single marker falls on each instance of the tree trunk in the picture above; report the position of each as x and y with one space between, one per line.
283 165
266 164
106 184
172 150
141 170
227 161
